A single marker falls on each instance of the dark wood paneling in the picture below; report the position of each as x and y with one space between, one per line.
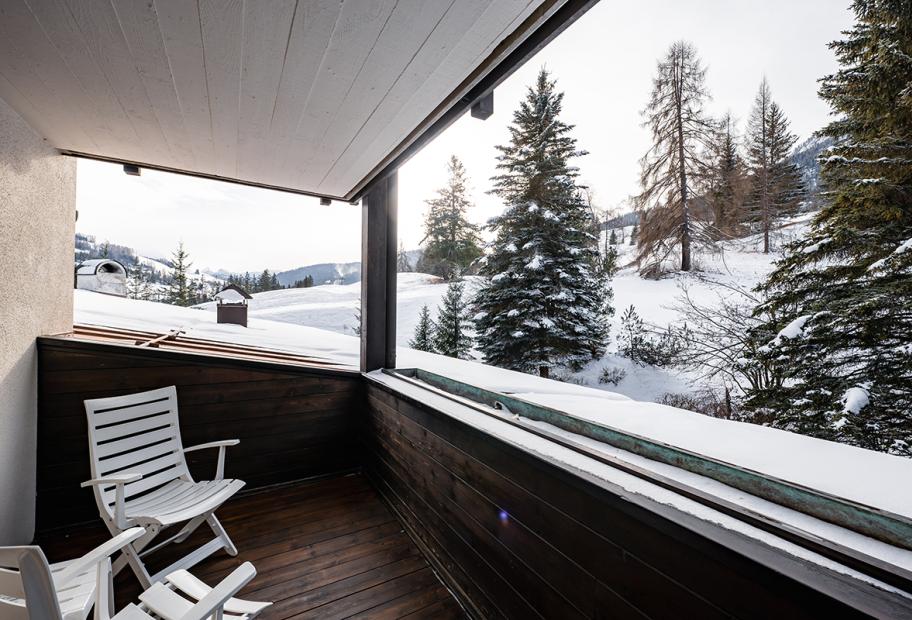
322 549
293 422
518 535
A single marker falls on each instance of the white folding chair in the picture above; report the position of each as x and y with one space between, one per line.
140 478
30 589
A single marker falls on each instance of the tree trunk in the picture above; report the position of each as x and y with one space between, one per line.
544 371
682 172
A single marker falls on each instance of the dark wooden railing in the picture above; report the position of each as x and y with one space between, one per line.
517 534
293 421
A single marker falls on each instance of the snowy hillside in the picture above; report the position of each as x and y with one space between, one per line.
740 263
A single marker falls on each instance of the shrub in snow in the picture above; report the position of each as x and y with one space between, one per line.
643 348
611 375
713 403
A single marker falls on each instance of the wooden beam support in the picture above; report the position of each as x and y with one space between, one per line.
484 107
378 274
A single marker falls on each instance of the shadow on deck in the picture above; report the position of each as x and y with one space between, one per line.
323 549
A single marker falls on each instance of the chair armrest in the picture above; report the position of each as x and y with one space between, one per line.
118 480
227 588
99 554
213 444
221 445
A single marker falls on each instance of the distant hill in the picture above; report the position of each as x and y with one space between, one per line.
805 158
322 273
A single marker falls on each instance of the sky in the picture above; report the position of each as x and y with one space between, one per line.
604 63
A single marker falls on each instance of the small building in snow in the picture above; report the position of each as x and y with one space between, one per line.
232 305
102 275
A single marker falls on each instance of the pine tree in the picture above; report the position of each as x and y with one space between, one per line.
138 284
727 180
634 234
179 291
776 182
451 242
308 281
403 264
545 302
451 332
671 168
612 238
423 339
274 282
263 282
842 295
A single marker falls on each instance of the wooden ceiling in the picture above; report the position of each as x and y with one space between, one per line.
313 96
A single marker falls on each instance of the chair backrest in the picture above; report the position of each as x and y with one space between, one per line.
26 586
136 433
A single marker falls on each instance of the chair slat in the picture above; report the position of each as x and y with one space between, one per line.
153 481
118 463
125 414
172 459
133 443
143 425
100 405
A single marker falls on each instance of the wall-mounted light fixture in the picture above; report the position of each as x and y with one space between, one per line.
325 202
132 170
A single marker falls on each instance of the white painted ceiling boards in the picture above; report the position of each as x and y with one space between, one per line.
307 95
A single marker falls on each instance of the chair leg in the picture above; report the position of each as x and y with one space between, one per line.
130 553
136 563
220 532
189 529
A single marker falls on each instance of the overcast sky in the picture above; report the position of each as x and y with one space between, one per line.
604 63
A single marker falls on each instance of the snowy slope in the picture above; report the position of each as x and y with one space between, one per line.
741 263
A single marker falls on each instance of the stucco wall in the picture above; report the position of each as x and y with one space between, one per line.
37 220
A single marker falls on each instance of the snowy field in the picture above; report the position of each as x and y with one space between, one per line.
740 263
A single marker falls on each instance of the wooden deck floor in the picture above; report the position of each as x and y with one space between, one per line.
324 549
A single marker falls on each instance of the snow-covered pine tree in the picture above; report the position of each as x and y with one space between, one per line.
844 291
681 130
451 242
179 289
423 340
726 186
634 234
776 185
452 336
545 301
403 264
612 238
138 283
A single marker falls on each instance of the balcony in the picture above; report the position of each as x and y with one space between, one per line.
370 494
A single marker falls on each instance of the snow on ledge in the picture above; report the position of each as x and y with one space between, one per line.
870 478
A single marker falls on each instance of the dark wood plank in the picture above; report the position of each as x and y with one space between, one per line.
447 481
379 210
324 549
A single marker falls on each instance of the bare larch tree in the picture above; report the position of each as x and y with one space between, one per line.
681 131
